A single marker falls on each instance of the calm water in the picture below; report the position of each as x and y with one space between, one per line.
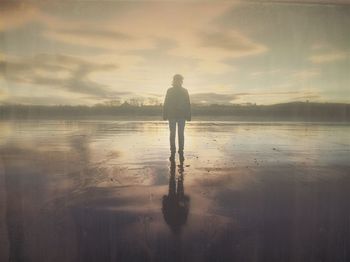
106 191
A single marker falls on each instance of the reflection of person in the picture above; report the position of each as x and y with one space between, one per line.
177 109
176 203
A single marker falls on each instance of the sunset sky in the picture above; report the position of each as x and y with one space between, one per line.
88 52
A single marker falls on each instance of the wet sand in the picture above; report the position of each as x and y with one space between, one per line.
106 191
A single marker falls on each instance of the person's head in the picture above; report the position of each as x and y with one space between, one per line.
178 80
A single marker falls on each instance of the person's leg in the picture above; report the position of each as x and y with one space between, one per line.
181 136
172 128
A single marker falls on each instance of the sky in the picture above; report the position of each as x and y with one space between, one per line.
92 52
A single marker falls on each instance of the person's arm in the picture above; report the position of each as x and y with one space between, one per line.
165 106
188 106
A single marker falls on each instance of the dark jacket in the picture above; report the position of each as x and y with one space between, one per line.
177 104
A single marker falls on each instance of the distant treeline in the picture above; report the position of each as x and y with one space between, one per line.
295 111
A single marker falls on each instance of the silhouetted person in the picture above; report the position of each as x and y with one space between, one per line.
176 203
177 109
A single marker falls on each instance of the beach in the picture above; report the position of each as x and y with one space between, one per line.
250 191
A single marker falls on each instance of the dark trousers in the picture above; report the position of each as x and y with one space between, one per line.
180 132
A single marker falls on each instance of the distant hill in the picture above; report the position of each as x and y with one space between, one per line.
295 111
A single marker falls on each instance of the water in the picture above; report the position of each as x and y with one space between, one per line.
102 191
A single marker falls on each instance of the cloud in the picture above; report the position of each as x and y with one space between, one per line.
196 43
100 37
231 42
16 13
102 33
215 46
58 71
330 57
139 27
